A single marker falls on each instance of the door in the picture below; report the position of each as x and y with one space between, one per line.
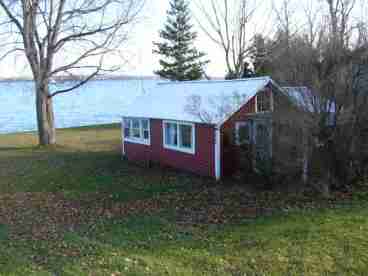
262 139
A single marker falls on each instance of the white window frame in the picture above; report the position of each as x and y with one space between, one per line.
178 147
135 140
271 102
237 127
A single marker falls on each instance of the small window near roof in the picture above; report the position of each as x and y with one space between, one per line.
264 101
137 130
179 136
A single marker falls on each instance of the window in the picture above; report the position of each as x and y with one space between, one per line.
264 101
145 129
243 133
179 136
262 134
186 136
137 130
171 134
263 142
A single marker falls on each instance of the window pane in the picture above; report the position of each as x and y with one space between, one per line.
145 124
171 136
127 128
262 134
126 132
260 102
146 134
263 102
135 123
136 133
243 134
186 136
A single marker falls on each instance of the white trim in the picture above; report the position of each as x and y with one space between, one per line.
134 140
268 81
217 154
122 137
214 81
138 141
271 139
178 148
272 103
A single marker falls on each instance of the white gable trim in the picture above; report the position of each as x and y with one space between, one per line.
217 153
270 81
219 125
122 137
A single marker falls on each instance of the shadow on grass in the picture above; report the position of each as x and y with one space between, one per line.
16 148
77 172
25 149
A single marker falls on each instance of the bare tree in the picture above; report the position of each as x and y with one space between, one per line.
61 37
327 55
228 24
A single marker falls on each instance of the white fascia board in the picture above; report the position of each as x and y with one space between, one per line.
219 125
217 153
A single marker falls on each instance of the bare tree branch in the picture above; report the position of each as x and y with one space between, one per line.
77 32
228 26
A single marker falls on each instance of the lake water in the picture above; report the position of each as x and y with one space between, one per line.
97 102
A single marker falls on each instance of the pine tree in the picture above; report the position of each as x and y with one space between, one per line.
180 59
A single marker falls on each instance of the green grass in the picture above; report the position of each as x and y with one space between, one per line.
87 164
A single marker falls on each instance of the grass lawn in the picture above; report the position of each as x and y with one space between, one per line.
78 209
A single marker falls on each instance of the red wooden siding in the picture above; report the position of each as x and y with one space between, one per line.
202 162
229 151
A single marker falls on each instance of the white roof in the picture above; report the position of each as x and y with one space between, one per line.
205 101
304 98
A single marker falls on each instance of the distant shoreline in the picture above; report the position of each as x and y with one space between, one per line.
108 77
123 77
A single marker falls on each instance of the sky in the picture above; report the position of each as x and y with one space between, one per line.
143 62
140 61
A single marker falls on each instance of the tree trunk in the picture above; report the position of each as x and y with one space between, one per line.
45 115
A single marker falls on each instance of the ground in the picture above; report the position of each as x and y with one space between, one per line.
79 209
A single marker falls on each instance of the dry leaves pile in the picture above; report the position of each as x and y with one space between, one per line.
47 216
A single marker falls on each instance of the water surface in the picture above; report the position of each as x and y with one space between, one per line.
97 102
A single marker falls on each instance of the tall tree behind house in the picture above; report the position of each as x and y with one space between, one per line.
180 60
228 24
260 56
323 55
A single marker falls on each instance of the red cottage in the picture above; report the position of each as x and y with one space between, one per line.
198 126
